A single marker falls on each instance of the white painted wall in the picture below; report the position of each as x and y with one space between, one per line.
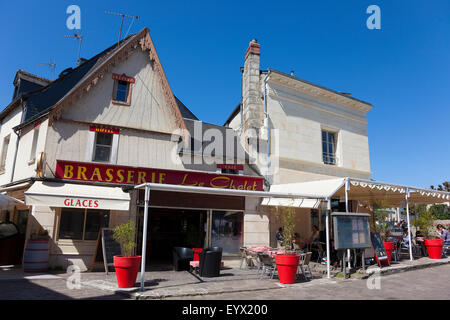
11 120
149 109
25 166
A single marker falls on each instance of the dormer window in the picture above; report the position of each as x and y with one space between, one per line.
122 89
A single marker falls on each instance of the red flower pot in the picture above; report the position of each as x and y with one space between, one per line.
197 251
287 267
127 268
434 248
389 247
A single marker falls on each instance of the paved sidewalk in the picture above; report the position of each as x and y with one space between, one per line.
407 265
164 283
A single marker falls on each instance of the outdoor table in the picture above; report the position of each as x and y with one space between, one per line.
259 249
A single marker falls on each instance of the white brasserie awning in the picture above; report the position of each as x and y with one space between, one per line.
71 195
358 189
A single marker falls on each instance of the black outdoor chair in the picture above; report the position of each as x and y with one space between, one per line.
182 257
210 260
214 249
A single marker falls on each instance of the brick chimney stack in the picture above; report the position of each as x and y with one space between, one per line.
252 104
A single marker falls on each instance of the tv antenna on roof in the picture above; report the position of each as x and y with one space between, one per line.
51 65
121 23
77 37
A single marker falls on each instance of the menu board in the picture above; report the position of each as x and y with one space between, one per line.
378 246
351 230
106 249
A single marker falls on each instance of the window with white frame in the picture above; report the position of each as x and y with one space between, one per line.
329 147
82 224
103 147
103 144
4 152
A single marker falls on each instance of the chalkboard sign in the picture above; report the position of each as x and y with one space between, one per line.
106 249
378 246
351 230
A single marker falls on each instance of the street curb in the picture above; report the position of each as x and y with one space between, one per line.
139 296
405 269
134 293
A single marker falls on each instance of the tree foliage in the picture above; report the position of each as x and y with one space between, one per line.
424 220
287 216
125 234
440 211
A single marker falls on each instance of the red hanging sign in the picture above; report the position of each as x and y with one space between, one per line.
104 130
123 77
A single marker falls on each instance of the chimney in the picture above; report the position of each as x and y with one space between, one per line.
252 105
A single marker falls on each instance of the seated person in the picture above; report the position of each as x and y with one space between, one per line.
297 243
279 237
445 235
315 235
405 240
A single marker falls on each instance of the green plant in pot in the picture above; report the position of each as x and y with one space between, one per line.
287 263
424 222
127 264
380 225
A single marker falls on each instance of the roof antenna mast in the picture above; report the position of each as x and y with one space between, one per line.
80 38
123 15
52 66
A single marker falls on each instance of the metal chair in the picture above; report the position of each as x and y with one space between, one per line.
243 251
446 250
267 264
320 251
304 264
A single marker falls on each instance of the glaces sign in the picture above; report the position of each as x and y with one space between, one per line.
78 203
131 175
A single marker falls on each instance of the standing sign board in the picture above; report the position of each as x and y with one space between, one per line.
351 230
378 246
106 249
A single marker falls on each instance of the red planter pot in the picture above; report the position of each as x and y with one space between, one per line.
287 267
389 247
434 248
127 268
197 251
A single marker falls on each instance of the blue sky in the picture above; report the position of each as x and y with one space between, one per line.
402 69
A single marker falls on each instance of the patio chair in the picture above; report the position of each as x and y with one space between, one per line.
210 263
320 251
446 250
252 258
243 252
304 264
267 265
181 258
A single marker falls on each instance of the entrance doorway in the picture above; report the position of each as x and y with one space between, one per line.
168 228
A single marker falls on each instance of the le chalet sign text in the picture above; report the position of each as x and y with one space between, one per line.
83 171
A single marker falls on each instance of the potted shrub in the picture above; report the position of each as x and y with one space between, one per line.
380 215
127 264
424 222
287 263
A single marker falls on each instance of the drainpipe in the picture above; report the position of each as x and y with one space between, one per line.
268 122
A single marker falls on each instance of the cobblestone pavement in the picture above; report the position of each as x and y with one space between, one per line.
430 283
52 287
